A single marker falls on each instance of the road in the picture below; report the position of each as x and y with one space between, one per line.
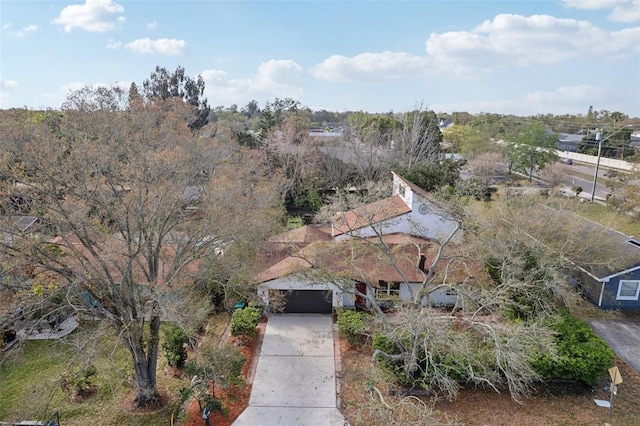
582 175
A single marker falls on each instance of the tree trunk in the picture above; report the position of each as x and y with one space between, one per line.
145 362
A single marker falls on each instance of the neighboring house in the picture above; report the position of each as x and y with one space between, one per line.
614 284
383 250
326 134
635 140
12 226
568 142
444 123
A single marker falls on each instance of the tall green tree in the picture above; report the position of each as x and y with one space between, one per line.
163 85
467 140
532 148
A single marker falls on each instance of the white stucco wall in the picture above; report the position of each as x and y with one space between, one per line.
438 297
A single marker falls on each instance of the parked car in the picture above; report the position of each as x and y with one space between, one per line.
565 160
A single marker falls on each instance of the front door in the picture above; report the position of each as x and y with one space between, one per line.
361 300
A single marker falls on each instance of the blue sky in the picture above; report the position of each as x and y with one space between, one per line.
508 57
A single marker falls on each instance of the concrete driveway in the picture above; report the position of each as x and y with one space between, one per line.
295 381
623 336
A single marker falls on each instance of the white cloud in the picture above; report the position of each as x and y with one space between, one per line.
505 41
5 87
580 94
23 32
629 12
275 78
152 25
7 84
515 40
623 10
114 44
367 66
163 46
94 15
563 100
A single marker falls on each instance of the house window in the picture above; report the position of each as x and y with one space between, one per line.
387 289
628 290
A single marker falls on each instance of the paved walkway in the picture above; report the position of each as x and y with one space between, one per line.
624 338
295 382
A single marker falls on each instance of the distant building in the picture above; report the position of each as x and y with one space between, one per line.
569 142
444 123
317 132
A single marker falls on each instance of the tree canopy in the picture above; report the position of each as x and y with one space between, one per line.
133 203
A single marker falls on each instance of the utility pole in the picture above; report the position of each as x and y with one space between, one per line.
600 140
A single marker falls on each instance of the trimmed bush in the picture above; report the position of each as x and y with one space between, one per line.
244 321
582 355
173 345
351 325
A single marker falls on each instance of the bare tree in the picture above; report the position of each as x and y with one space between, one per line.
291 152
418 139
495 330
485 166
553 174
135 202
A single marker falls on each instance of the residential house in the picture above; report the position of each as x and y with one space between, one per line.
383 250
569 142
613 283
12 226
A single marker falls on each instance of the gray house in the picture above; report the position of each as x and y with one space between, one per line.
568 142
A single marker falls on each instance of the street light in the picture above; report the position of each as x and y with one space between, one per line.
598 138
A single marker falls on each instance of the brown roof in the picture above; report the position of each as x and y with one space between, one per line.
369 214
304 234
368 261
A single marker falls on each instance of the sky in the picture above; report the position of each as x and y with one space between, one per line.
505 57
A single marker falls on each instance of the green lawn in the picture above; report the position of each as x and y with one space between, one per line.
607 217
30 379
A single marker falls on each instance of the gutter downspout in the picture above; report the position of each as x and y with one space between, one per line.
601 294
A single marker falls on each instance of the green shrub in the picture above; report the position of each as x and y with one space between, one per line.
351 325
396 368
582 355
173 345
244 321
381 342
80 383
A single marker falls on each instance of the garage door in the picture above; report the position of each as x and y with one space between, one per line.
307 301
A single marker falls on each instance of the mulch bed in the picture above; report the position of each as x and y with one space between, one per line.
234 399
129 402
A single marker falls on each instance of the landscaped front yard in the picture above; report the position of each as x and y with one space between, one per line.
31 380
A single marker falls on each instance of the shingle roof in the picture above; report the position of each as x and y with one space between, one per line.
368 261
369 214
304 234
600 251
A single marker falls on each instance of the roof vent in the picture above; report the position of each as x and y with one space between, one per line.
634 242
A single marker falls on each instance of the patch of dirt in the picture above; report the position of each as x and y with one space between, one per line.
234 399
85 395
129 402
555 403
